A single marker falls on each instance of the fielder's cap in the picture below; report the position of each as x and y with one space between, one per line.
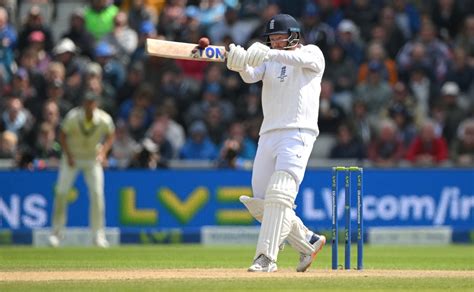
198 127
64 46
104 49
450 88
36 36
91 96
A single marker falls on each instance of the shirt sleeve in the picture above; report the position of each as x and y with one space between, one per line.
66 125
109 124
309 56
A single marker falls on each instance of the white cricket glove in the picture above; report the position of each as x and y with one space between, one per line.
236 58
257 54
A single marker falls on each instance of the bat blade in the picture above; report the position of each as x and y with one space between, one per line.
184 51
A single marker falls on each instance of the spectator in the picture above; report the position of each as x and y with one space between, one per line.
157 136
341 70
215 124
386 149
16 118
65 52
141 99
94 82
465 38
146 30
407 18
8 145
393 37
348 38
113 71
35 22
437 55
174 131
37 44
8 41
376 91
454 112
330 14
77 32
347 145
135 77
21 86
317 32
239 30
403 119
427 149
361 122
376 53
462 148
99 18
47 150
124 149
462 73
198 145
247 148
448 17
331 114
364 15
172 19
139 12
122 38
424 90
249 106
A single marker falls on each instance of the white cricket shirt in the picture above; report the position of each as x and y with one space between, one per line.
291 88
85 141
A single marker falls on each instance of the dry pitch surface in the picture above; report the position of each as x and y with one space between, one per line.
221 274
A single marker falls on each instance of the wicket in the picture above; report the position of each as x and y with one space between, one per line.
347 211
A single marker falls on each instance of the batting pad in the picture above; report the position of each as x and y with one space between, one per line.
297 237
278 215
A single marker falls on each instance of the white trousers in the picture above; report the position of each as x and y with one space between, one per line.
94 177
286 150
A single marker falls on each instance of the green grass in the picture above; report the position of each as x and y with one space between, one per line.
454 257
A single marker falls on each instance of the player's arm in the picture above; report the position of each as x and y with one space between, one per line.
309 57
108 140
106 146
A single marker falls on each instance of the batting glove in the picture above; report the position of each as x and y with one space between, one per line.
257 54
236 58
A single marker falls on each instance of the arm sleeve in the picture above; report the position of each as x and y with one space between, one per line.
251 74
309 56
67 123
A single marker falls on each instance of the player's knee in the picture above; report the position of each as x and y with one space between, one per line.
254 205
282 188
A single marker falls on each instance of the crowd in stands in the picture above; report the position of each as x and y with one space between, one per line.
398 85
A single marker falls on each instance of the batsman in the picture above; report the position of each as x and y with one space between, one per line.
291 75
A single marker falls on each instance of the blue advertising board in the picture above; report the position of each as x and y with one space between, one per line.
190 199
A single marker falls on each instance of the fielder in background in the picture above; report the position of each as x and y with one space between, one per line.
291 74
86 136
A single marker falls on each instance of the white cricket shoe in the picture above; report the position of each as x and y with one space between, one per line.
53 240
101 241
318 241
263 264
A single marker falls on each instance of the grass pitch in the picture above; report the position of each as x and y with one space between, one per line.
201 268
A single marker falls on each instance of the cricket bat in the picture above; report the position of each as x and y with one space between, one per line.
185 51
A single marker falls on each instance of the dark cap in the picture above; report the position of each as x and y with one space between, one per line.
375 66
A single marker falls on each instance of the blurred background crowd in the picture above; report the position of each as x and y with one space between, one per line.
398 87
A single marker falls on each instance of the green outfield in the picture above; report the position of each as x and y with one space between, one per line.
199 268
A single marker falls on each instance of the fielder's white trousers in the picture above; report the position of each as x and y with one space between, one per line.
287 150
94 177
